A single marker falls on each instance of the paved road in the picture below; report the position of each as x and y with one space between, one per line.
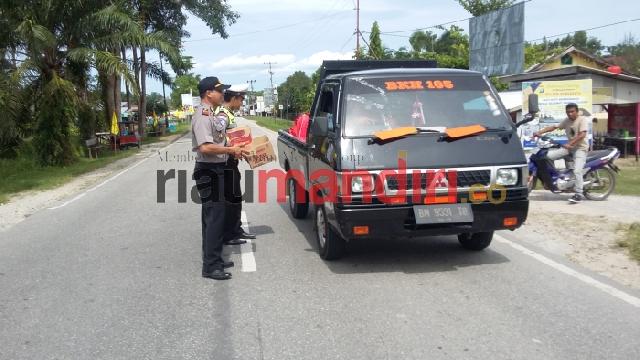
112 274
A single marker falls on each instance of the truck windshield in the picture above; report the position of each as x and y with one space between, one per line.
374 103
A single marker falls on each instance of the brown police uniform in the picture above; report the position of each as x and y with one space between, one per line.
207 127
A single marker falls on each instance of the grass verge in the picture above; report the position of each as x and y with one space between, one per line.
631 240
271 123
23 173
628 181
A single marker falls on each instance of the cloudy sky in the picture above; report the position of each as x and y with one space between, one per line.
299 34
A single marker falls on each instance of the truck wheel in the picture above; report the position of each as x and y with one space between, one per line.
330 245
476 241
298 210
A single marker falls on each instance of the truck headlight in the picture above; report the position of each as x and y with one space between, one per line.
507 177
357 184
360 185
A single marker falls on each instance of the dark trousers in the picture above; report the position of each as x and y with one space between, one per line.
210 184
233 198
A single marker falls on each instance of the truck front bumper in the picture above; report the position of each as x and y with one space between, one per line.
399 221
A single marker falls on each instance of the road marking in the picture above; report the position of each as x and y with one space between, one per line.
81 195
569 271
246 250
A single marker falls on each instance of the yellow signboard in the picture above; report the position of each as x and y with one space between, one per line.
553 96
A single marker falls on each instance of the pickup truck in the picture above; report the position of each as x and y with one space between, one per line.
399 149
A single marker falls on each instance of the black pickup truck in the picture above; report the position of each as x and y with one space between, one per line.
400 149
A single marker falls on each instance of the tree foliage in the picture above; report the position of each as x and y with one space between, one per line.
293 93
481 7
184 84
376 50
51 51
156 104
627 54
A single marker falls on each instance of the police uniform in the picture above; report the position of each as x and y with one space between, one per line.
208 173
232 190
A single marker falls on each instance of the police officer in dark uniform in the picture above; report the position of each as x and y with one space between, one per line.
234 233
209 140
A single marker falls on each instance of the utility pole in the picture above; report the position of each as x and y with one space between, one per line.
357 28
272 95
250 82
270 73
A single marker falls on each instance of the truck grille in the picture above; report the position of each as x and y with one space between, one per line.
465 179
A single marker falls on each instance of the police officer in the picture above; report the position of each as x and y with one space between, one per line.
234 233
209 140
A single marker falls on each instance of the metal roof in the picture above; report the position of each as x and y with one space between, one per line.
564 71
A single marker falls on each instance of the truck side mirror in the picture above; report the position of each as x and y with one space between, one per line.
533 104
320 126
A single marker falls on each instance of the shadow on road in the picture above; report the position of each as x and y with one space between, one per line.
414 255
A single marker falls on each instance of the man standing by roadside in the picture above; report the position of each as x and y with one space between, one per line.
234 233
576 128
209 139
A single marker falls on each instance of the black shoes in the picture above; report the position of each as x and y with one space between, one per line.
236 241
238 238
217 275
245 235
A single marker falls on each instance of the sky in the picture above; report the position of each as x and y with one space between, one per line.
298 34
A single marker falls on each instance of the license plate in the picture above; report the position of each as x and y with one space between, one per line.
449 213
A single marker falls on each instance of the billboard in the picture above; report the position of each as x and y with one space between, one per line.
553 96
496 41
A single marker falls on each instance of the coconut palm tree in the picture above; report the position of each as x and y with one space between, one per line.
60 43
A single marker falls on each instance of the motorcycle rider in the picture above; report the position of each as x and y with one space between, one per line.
576 128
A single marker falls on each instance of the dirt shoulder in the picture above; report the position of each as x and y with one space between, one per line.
23 204
585 233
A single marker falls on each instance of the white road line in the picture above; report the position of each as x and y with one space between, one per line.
569 271
79 196
246 250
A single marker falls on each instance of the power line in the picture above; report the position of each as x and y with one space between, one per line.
272 29
544 37
346 42
308 37
446 23
593 28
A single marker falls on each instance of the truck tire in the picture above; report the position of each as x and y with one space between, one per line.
330 245
476 241
298 210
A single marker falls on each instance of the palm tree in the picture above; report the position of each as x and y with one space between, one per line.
59 52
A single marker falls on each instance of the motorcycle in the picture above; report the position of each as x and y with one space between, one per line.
599 176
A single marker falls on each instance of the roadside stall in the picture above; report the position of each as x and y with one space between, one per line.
623 125
129 135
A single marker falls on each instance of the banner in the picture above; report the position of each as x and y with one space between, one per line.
553 96
186 99
496 41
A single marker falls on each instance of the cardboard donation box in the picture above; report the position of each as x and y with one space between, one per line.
239 136
260 152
